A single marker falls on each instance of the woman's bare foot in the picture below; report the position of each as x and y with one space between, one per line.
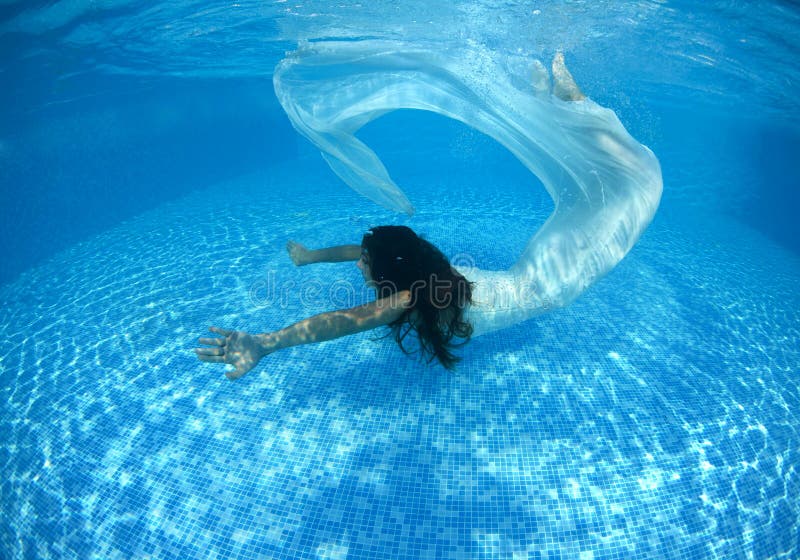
564 86
298 253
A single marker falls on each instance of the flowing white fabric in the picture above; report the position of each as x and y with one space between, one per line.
605 185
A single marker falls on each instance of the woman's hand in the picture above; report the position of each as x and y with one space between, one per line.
299 254
241 350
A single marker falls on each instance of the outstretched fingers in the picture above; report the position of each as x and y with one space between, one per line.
210 358
215 354
212 341
233 348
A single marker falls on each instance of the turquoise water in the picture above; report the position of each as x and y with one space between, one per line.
150 181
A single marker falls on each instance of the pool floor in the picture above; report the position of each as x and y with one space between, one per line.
656 417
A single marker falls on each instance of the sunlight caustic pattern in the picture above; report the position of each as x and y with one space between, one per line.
641 422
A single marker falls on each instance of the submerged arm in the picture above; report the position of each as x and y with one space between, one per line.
244 351
302 256
335 324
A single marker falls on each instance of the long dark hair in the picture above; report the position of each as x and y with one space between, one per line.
401 260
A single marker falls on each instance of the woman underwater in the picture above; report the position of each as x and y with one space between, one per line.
417 290
605 187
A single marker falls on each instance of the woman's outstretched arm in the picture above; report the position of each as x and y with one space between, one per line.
243 351
302 256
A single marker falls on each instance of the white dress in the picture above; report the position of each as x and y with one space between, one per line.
605 185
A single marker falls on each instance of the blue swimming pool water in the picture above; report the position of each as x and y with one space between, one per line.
150 182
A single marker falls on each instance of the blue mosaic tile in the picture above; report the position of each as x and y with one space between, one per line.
643 421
